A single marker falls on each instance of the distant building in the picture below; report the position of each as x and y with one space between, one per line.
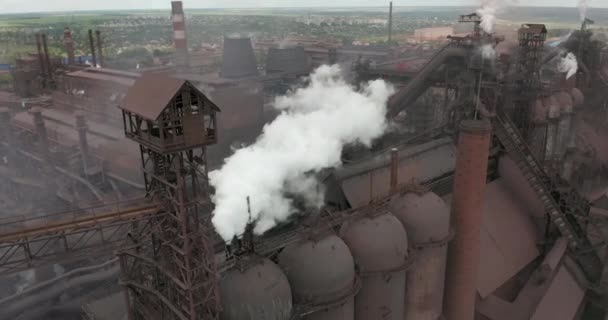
431 34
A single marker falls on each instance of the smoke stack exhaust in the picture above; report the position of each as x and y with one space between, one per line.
390 22
69 44
179 33
99 47
466 218
92 45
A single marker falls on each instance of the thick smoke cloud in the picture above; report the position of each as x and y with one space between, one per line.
488 11
583 6
568 65
316 122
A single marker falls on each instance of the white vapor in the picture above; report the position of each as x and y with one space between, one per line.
488 52
583 5
488 11
315 123
568 65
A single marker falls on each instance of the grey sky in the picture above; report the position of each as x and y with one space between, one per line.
11 6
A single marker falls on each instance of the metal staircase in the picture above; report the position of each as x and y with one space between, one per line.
562 203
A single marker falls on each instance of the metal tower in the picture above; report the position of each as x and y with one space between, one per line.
169 272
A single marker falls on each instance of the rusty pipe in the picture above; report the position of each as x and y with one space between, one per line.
40 55
466 218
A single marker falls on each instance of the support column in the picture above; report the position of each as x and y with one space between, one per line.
466 219
99 48
43 141
81 126
394 170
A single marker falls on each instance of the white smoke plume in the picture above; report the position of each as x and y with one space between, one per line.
315 123
488 11
568 65
583 6
488 52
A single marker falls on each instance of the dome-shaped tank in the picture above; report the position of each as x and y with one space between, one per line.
259 291
577 97
552 104
427 220
539 113
322 276
379 246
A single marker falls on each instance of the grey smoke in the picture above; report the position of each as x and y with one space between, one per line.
568 64
315 123
488 11
583 6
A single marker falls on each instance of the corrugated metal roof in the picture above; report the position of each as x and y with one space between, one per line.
562 300
366 180
85 74
151 94
508 238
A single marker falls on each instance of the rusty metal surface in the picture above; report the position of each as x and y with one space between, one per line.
370 179
260 291
386 254
151 94
562 300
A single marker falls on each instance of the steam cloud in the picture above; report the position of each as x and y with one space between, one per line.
583 5
316 122
488 11
568 65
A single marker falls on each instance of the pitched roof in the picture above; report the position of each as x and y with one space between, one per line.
151 94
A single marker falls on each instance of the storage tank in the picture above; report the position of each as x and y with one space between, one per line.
427 219
258 289
321 272
379 245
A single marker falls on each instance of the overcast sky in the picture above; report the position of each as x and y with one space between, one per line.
11 6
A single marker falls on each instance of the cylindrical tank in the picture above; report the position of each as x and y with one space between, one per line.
259 290
554 113
322 277
379 246
466 218
428 218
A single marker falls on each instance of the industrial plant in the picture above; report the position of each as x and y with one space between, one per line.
332 181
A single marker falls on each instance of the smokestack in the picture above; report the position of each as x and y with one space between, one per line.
179 33
99 48
394 170
390 22
466 218
69 44
5 122
92 45
43 141
40 55
81 126
47 59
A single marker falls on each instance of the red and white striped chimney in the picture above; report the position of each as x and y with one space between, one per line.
179 33
69 44
466 218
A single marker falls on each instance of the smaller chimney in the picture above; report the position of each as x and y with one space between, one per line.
69 44
394 170
92 45
179 33
390 22
99 48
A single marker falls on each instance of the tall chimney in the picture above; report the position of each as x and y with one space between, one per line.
179 33
40 55
466 218
394 170
99 48
47 59
92 45
69 44
390 22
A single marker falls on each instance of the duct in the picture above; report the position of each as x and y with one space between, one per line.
382 263
369 179
408 95
47 291
81 126
322 276
258 290
426 217
92 46
238 59
466 219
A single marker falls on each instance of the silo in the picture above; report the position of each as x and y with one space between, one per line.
256 289
554 112
321 272
238 59
379 245
427 219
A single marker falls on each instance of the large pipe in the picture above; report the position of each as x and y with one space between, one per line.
179 33
92 45
390 22
99 47
40 55
394 170
466 219
47 58
68 40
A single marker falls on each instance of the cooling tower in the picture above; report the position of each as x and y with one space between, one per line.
238 60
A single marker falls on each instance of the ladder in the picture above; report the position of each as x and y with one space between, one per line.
561 203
